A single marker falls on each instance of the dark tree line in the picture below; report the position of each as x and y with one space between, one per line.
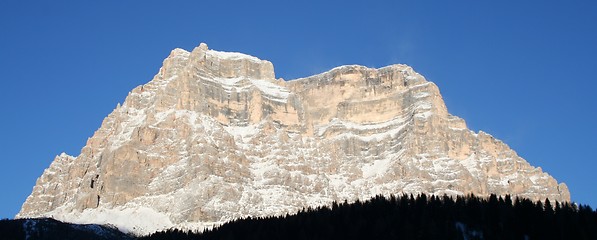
401 217
51 229
409 217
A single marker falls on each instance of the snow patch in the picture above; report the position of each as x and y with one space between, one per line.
421 95
377 168
276 92
135 119
423 115
129 219
232 56
228 84
271 90
341 124
373 137
243 133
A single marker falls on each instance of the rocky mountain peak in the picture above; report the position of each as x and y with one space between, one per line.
215 137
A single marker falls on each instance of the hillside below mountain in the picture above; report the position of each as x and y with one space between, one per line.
50 229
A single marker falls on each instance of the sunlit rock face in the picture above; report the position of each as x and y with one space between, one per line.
215 137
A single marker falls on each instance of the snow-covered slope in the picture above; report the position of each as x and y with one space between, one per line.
44 228
214 137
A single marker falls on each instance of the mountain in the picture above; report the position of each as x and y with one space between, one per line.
216 137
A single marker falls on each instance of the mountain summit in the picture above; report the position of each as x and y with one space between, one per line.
215 136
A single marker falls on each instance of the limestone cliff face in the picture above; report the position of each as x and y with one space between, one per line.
214 137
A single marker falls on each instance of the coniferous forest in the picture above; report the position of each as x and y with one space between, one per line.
396 217
421 217
50 229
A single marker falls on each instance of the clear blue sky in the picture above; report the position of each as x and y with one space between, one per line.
523 71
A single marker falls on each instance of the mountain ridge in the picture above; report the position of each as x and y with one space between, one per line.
215 137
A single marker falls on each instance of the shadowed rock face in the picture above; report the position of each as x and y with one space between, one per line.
214 137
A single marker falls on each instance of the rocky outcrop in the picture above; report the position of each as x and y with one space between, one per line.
214 137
